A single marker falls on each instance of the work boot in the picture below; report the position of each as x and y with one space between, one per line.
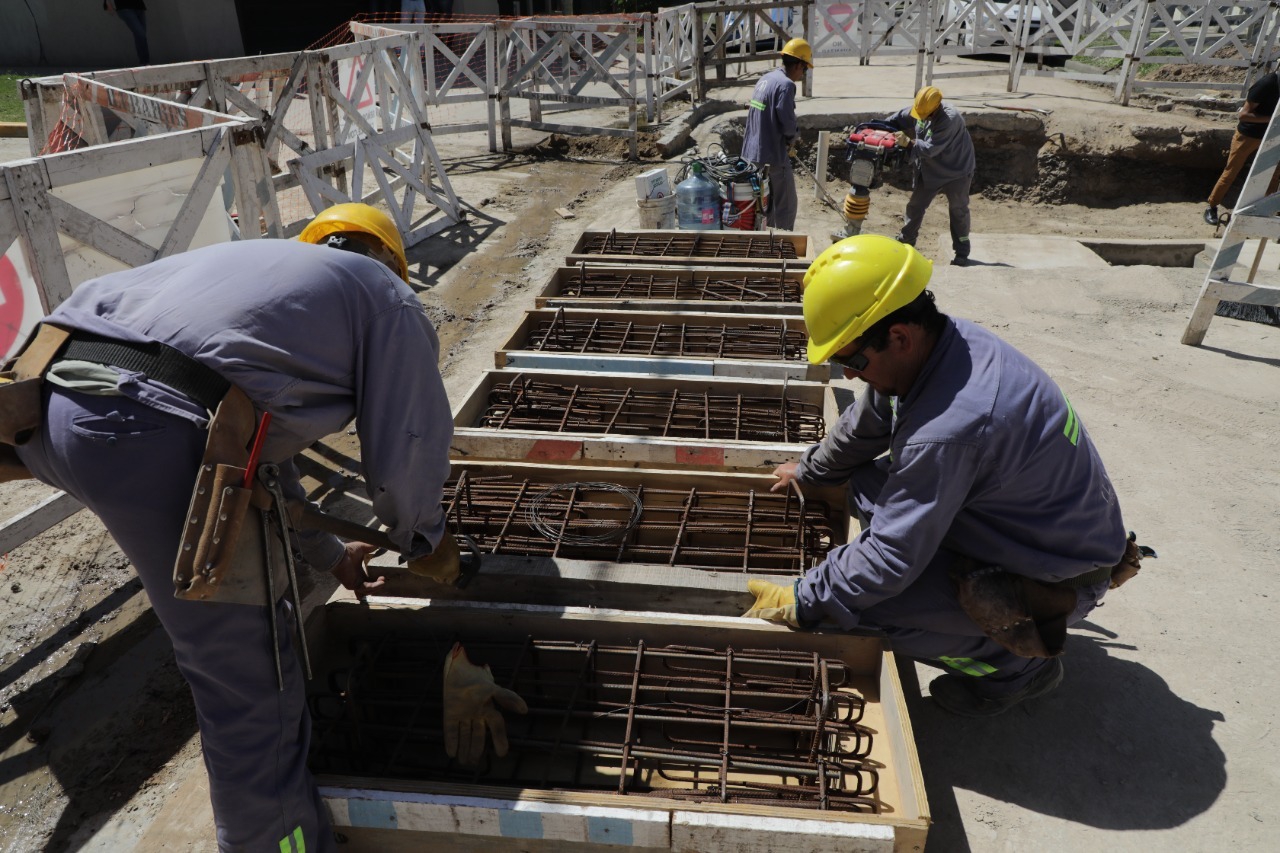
963 694
1211 216
960 261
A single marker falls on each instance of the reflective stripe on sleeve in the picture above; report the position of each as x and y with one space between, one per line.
969 666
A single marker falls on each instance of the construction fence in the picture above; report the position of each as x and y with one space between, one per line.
137 164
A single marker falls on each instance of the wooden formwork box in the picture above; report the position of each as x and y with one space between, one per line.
389 815
671 588
553 295
696 256
472 441
517 353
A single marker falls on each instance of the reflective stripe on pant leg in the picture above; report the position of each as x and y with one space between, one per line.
295 843
969 666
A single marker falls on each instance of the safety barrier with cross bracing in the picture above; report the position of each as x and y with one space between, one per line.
1257 216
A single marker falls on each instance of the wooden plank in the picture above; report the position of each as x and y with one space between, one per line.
188 218
28 184
115 158
103 236
30 524
695 832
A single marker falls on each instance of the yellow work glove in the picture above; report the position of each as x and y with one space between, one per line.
773 602
469 709
902 139
441 565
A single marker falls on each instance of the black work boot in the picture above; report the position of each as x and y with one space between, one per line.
963 695
1211 216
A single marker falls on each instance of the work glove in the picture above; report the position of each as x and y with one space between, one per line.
442 564
902 139
469 708
773 602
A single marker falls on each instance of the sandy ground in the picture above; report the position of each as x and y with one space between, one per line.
1161 735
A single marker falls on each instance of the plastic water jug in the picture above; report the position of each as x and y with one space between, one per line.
698 202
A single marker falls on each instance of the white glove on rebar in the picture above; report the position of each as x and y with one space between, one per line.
469 708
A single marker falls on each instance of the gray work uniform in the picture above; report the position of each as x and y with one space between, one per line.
943 161
316 337
987 459
771 126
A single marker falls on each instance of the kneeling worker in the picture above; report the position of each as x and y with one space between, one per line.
988 521
125 375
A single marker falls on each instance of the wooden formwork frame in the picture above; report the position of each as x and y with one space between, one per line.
515 353
553 295
473 441
400 816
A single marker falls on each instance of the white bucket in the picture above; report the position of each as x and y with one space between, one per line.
657 212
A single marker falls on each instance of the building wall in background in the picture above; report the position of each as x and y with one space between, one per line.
79 34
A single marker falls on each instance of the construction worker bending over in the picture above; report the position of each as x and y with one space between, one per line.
771 129
942 154
133 364
988 522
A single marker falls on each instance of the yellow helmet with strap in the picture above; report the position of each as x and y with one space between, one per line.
856 283
356 218
799 49
926 102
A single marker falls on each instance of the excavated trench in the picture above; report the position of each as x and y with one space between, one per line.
1039 160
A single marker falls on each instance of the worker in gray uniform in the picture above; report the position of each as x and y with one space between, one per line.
312 337
988 521
942 154
771 129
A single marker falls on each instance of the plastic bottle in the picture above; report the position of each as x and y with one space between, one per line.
698 202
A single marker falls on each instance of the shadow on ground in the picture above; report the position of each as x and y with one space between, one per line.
1113 748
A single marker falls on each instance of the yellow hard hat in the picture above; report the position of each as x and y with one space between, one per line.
927 100
799 48
360 219
856 283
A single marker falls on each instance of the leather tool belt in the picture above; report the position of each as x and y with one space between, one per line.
21 400
221 532
1026 616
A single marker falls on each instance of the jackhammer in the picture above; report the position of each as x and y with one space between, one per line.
872 150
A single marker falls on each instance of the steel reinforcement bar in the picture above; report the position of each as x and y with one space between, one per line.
708 725
522 404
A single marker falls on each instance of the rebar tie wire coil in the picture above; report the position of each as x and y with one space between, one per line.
554 526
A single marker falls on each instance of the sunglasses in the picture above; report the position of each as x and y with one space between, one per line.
854 361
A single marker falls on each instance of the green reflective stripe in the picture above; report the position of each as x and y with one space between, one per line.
299 844
1072 429
969 666
756 105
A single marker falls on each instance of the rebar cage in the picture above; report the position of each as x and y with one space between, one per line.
702 244
722 725
525 404
749 531
767 341
701 285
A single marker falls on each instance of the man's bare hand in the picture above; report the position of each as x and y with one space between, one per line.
352 572
786 472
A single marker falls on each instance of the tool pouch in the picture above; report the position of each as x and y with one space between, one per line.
1025 616
223 553
21 402
1131 562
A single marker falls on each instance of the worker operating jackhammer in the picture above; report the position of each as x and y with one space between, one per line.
942 153
171 400
989 524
